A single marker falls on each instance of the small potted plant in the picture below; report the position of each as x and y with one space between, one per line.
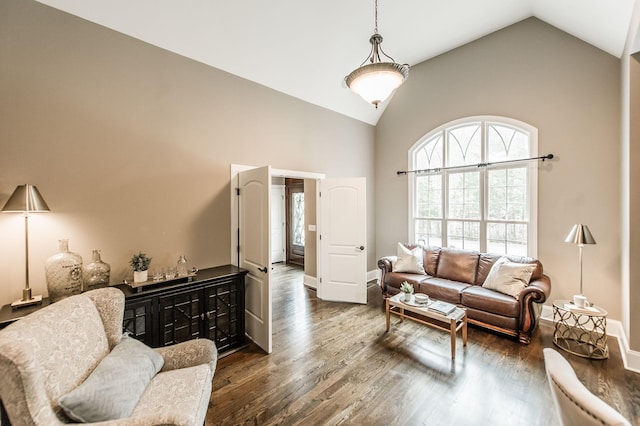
140 265
407 289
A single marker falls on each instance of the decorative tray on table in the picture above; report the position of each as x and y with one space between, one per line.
174 280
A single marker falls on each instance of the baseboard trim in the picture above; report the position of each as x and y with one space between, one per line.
373 275
310 281
630 358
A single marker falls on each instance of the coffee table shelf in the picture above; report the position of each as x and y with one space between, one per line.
453 322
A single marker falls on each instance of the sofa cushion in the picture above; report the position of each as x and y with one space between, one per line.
176 397
442 289
482 298
114 387
458 265
394 279
431 256
508 277
409 260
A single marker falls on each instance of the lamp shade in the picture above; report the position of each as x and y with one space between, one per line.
580 234
375 82
26 198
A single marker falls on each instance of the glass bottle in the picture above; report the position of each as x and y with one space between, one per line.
182 266
96 274
63 272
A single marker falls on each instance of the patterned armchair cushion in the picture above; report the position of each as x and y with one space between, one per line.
114 388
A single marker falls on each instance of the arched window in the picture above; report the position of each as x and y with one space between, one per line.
473 196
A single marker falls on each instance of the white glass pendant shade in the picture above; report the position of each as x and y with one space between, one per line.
376 82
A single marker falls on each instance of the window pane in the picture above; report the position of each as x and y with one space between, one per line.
430 155
517 239
464 195
496 238
464 235
464 145
506 143
297 236
507 238
507 194
429 196
429 232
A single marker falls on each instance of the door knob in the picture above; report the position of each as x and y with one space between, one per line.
263 269
360 248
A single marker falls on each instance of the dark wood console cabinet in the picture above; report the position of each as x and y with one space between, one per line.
209 305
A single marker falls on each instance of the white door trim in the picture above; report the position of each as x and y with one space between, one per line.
235 169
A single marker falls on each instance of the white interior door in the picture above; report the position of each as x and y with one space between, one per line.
278 233
343 246
255 252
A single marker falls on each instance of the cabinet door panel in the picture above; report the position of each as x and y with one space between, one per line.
222 314
138 320
180 317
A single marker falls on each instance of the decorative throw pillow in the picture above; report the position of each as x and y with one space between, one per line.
409 260
114 388
509 277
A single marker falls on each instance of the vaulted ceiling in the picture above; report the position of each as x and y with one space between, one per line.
305 48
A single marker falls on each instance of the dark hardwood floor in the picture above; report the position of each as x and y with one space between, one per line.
332 363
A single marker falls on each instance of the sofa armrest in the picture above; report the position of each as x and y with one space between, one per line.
531 298
189 354
386 265
537 291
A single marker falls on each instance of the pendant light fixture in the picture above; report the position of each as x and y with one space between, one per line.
375 81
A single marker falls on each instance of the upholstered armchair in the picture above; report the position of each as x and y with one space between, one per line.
575 404
57 359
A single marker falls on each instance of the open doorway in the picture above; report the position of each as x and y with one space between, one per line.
294 224
288 220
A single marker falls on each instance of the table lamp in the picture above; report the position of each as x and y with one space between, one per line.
26 199
580 235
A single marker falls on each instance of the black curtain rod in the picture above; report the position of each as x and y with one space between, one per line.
439 169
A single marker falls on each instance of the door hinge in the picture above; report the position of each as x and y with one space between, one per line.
320 236
320 280
237 191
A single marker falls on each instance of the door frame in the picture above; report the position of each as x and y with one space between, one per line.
235 169
291 256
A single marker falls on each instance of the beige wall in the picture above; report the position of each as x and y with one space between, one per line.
310 237
131 145
631 157
569 91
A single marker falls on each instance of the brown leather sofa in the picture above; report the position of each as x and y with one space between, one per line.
456 276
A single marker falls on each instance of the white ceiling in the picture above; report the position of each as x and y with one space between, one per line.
305 48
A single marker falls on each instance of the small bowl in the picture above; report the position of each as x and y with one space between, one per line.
421 298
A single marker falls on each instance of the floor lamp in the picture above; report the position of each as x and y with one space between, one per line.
26 199
580 235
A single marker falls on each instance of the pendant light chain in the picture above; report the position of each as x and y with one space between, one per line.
375 30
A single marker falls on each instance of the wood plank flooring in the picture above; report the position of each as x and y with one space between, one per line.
333 364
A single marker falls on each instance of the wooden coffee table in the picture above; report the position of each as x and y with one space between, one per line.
456 320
